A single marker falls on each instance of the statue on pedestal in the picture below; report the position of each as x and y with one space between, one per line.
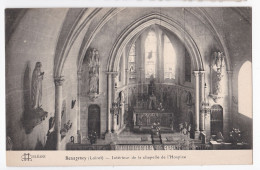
93 64
218 64
93 73
35 114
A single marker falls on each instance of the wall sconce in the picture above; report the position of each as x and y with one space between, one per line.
65 129
73 102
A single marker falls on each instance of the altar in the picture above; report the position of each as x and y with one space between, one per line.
144 119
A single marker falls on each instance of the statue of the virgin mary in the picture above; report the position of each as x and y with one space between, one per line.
36 89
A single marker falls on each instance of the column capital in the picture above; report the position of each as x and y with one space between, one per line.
59 81
202 72
196 73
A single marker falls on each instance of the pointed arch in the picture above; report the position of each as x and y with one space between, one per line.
146 21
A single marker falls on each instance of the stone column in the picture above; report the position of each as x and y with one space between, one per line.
113 91
202 100
110 99
230 94
123 68
197 103
58 109
113 88
127 82
122 114
78 99
202 85
109 103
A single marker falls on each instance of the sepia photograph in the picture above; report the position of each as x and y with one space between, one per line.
128 79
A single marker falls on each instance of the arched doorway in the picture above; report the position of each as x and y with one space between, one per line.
216 119
94 119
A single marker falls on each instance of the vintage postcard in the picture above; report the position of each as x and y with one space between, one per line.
128 86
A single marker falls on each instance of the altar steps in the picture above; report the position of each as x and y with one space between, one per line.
129 137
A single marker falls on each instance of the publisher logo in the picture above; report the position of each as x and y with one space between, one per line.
29 157
26 157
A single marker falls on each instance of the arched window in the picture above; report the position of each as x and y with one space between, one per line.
150 54
131 59
169 59
245 90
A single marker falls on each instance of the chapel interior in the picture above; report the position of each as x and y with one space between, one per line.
129 78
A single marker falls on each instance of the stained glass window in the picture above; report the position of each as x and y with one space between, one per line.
169 59
131 61
150 54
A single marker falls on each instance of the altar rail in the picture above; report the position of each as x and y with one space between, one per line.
71 146
162 147
75 146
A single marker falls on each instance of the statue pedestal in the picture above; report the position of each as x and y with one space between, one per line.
111 137
196 134
93 96
33 118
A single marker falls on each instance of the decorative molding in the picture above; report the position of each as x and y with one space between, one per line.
196 73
